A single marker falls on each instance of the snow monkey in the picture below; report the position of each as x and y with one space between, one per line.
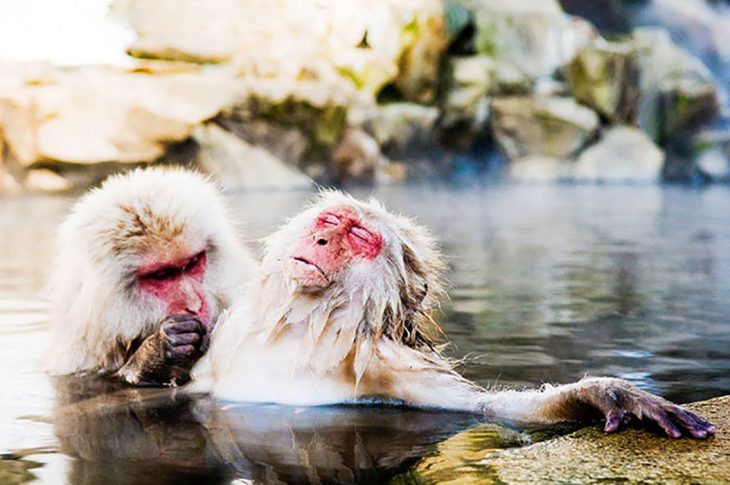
145 264
341 312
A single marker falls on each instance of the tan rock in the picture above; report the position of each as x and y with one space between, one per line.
605 76
678 92
533 35
493 455
549 126
94 114
44 180
624 154
367 43
238 165
592 456
358 156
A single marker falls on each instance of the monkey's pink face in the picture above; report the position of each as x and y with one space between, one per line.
336 238
179 283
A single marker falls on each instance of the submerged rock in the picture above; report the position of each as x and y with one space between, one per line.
624 154
605 76
590 456
550 126
239 165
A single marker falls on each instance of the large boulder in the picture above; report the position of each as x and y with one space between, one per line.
624 154
400 41
96 114
551 126
678 92
605 76
533 35
238 165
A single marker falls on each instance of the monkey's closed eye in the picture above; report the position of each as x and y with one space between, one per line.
361 234
194 261
329 220
162 274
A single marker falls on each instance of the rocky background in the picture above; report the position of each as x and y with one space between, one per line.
280 93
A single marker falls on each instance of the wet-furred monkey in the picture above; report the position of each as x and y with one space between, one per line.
341 312
145 263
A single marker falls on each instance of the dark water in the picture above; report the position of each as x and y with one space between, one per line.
548 284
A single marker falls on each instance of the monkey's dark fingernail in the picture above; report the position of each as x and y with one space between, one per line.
613 421
187 326
185 338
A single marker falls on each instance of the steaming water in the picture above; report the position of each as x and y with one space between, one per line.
547 284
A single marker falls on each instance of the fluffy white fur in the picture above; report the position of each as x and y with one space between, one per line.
368 334
95 309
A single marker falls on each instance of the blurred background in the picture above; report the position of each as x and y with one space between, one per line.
269 94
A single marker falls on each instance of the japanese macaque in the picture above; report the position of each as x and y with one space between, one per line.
145 264
341 312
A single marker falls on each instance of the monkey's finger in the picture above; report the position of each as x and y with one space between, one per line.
182 352
693 425
662 418
614 420
184 338
184 326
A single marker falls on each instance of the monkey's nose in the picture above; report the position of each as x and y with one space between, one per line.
322 241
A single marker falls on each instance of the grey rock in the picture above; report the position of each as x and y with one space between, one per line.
605 76
624 154
549 126
238 165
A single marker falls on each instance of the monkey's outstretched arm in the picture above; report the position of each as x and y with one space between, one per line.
615 400
166 357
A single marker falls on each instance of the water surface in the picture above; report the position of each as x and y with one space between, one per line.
548 284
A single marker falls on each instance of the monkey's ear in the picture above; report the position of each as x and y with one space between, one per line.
416 280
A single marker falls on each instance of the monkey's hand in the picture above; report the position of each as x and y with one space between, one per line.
166 357
621 402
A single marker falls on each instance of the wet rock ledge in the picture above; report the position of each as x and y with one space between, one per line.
591 456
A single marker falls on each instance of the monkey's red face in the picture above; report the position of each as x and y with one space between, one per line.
179 282
336 238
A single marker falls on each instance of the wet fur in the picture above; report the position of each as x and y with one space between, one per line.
96 312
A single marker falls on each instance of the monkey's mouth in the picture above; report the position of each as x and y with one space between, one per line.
307 263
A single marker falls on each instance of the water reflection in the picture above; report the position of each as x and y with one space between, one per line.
121 435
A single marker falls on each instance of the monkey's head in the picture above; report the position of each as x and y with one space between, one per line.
145 245
346 251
